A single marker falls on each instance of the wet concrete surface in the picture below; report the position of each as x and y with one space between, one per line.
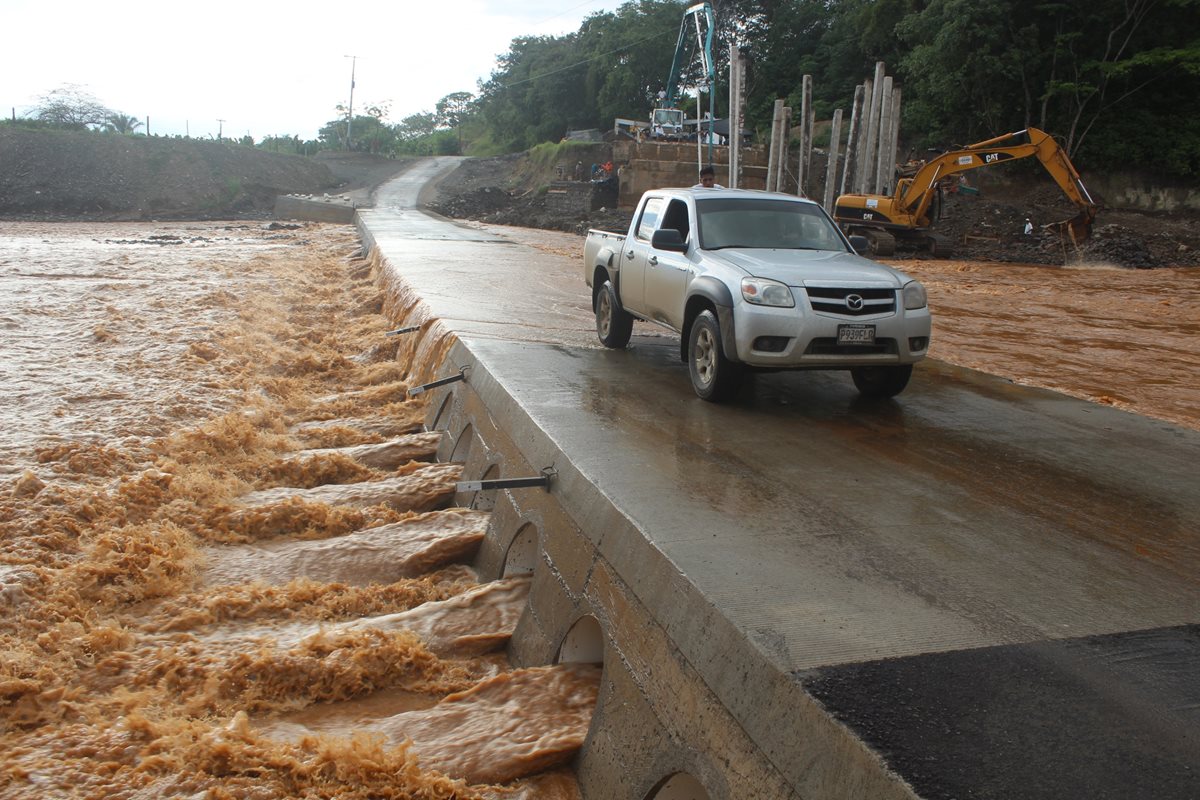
929 547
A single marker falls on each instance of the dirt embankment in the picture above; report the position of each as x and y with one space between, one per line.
61 175
984 226
57 175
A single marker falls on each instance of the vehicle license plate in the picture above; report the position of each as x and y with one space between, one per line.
856 334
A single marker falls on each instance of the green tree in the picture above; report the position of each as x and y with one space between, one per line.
117 122
452 111
1113 54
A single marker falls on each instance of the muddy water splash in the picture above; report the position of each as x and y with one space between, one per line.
375 555
134 638
476 736
472 623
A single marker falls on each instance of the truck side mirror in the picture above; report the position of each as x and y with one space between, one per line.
860 244
668 239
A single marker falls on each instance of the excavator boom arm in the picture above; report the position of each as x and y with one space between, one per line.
915 196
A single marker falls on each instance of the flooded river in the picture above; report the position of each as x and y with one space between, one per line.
228 565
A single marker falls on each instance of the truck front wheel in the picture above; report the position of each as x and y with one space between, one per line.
614 325
714 377
881 382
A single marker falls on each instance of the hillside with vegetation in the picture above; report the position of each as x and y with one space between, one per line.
1116 80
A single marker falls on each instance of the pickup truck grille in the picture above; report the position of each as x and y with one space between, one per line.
833 301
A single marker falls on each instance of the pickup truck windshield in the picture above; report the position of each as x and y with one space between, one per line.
765 223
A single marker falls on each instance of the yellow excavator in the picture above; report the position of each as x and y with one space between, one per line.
906 215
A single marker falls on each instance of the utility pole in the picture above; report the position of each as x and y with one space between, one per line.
350 108
220 128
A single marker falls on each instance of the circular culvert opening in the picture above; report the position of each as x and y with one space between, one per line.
522 555
583 644
485 499
679 786
462 446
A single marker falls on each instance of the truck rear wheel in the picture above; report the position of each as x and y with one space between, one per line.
881 382
714 377
614 325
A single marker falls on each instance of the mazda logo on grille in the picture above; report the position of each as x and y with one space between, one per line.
854 302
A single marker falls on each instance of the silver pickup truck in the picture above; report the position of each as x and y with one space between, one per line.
756 280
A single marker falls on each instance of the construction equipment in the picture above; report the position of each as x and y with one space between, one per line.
908 214
666 119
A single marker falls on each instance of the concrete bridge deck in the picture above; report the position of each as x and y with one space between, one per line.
976 590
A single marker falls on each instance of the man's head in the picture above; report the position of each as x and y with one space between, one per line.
708 176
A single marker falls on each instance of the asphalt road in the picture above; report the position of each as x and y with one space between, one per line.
994 586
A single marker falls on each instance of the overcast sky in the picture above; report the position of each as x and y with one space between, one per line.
264 68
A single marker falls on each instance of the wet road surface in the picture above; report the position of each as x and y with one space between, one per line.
1032 541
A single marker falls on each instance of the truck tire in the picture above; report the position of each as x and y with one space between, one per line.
714 377
614 325
881 382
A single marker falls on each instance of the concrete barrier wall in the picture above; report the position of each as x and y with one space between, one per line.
683 691
651 165
310 210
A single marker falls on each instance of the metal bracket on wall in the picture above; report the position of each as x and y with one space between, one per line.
461 376
543 480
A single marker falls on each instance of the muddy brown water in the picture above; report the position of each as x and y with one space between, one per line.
206 449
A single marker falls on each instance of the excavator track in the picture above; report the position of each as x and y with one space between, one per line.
939 246
881 242
935 244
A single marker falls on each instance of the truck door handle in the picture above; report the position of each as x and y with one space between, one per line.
653 261
629 254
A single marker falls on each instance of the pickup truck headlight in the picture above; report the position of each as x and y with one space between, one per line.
914 295
765 292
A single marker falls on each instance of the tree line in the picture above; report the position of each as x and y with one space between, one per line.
1116 81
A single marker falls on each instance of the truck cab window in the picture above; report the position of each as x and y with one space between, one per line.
677 218
649 220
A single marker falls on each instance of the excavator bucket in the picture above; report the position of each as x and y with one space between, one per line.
1078 228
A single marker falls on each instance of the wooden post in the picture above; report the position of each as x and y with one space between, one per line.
856 112
835 143
735 116
785 132
772 152
883 171
809 121
895 139
864 123
806 126
870 152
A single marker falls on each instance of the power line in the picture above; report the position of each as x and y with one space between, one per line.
585 61
563 13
